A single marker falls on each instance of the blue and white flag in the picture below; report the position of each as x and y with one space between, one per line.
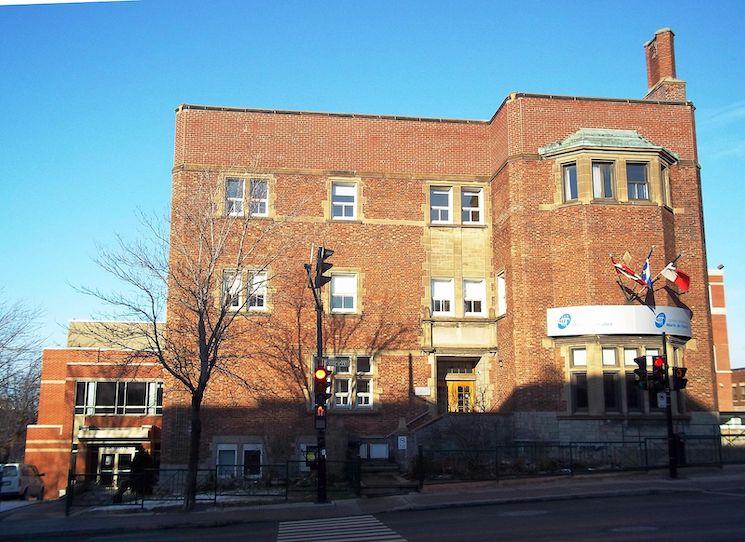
647 270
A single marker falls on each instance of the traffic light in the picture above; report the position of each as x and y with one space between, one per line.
322 382
641 373
658 373
679 379
322 266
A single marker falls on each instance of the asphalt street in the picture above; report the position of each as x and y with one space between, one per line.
700 515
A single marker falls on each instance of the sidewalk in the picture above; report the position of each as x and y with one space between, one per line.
47 520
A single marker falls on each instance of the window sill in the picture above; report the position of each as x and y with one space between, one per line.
620 416
641 202
477 225
343 313
345 220
453 319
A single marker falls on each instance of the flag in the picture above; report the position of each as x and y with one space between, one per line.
626 271
674 275
647 270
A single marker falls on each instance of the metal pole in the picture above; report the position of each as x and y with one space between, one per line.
672 445
321 434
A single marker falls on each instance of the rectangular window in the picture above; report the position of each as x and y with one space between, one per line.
501 294
364 392
666 194
611 392
579 392
471 206
155 397
442 297
579 357
251 461
636 178
105 397
136 398
257 293
734 395
259 197
474 297
609 356
341 365
80 388
602 180
341 392
569 175
363 365
343 201
232 289
234 197
439 205
343 292
628 356
633 394
227 460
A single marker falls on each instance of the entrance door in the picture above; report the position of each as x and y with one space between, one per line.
114 464
460 395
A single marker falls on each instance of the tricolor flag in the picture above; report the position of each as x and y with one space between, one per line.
673 274
626 271
647 270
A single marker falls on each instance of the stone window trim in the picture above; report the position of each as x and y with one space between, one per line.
221 196
455 208
595 370
584 161
359 199
359 293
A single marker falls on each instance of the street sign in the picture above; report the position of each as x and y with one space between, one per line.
662 399
402 442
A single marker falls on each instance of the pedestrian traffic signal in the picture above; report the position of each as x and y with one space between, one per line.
658 373
322 383
322 266
642 379
679 379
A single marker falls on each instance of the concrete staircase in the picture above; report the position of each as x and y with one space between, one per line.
380 478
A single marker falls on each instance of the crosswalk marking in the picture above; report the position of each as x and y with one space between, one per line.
346 529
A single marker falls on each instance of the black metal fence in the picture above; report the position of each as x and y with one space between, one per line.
291 480
551 459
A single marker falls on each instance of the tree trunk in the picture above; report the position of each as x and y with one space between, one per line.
195 437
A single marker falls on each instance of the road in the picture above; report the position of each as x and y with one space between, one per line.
702 515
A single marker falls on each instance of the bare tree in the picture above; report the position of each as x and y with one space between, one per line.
20 344
206 264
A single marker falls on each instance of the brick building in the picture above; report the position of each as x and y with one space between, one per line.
727 387
471 268
96 405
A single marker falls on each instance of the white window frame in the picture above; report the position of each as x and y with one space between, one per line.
482 297
260 201
343 295
636 184
229 210
479 193
598 181
629 354
448 190
501 294
451 299
257 290
366 376
567 184
344 205
236 282
227 471
606 360
582 361
341 395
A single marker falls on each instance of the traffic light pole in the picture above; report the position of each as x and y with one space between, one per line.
321 431
672 445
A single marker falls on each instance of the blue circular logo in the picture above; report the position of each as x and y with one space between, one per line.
660 320
564 320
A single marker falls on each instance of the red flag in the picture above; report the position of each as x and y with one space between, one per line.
677 277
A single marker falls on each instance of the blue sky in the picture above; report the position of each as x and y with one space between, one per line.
88 91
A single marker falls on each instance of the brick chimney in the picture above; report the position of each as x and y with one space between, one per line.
661 78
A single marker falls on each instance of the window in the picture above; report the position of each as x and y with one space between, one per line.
579 357
501 294
234 197
474 297
609 356
105 397
259 197
734 393
341 391
343 201
611 392
227 460
364 365
579 392
628 356
257 293
602 180
232 289
442 297
636 178
135 395
439 205
665 177
251 461
633 394
364 397
471 206
343 292
569 175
